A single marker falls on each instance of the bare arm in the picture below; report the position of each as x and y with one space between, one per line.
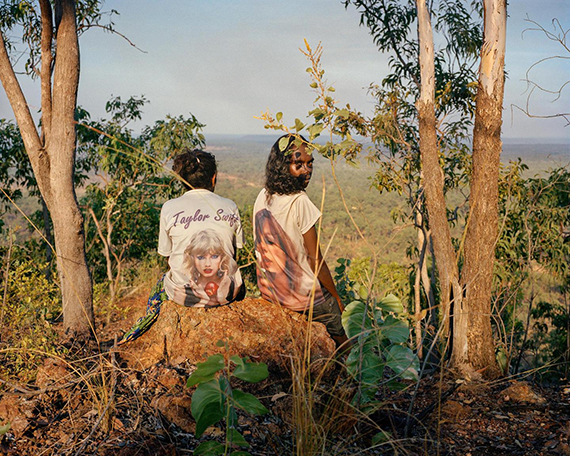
318 264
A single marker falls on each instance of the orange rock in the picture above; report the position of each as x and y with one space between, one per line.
263 331
522 392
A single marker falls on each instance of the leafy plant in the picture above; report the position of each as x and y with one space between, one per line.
380 330
215 399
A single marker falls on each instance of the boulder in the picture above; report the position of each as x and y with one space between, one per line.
255 328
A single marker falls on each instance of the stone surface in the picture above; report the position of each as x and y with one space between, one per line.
263 331
53 371
176 409
17 411
522 392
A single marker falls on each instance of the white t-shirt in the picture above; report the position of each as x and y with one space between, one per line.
283 271
199 232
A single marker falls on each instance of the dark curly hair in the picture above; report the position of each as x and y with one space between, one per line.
278 178
196 168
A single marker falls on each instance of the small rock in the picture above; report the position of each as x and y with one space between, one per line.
169 378
455 410
176 409
522 392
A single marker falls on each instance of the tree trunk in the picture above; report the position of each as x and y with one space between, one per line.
433 180
53 156
473 338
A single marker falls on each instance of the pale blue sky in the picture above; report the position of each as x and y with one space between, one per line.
227 61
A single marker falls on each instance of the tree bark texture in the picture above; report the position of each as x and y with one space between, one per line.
473 340
53 156
433 179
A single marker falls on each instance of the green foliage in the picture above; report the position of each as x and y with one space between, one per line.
246 256
123 203
215 399
549 341
25 14
380 330
15 169
30 303
533 246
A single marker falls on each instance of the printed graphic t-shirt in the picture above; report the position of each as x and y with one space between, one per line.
283 271
199 232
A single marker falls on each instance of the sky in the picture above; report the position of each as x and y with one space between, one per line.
227 61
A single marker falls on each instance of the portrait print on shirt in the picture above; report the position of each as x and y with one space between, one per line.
199 233
280 276
211 271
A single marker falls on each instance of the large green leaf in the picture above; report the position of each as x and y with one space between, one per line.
207 405
249 403
209 448
391 303
249 372
205 371
396 330
354 319
403 362
367 368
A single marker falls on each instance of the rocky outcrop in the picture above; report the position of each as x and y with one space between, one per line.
263 331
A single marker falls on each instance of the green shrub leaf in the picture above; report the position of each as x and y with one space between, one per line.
354 321
250 372
236 438
205 371
210 448
5 428
381 437
249 403
396 330
391 303
207 405
403 362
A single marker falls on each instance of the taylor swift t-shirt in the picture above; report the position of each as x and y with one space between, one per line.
283 271
199 233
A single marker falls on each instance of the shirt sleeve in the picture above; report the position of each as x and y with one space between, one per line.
306 213
164 241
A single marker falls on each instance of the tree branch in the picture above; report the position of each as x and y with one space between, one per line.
46 68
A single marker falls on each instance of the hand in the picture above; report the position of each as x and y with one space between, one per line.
224 288
197 290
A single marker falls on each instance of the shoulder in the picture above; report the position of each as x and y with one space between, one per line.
224 201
